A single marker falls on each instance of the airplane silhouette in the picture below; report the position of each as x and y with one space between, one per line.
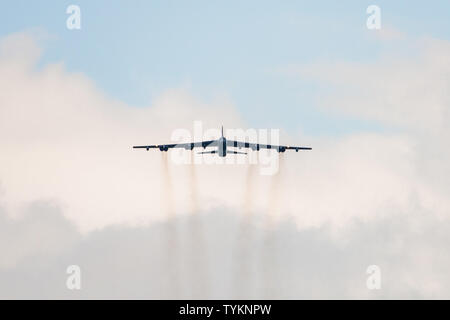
222 145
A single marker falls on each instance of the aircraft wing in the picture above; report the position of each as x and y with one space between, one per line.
187 146
257 146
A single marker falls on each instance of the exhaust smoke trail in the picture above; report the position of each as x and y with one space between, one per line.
193 186
274 194
171 243
196 244
249 191
269 245
242 256
167 187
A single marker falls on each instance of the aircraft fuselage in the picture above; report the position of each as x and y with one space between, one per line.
222 147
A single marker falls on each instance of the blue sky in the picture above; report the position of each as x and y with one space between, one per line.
134 50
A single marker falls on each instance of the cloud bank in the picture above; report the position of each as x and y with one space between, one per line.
74 192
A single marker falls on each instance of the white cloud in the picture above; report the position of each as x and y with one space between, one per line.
410 91
229 258
64 142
